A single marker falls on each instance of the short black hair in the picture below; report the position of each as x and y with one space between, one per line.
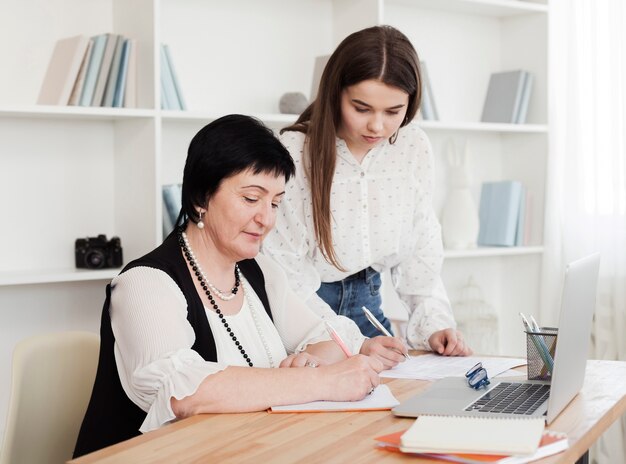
224 148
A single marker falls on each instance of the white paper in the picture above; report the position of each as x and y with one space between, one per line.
434 367
381 398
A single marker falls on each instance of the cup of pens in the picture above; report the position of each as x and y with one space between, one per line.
540 348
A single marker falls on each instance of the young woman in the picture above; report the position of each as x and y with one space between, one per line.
361 201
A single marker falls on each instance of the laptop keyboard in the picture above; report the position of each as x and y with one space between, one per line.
512 398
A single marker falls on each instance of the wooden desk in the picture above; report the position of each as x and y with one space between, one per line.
347 437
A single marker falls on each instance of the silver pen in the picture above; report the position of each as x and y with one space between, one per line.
376 323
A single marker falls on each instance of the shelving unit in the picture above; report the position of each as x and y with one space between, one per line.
69 172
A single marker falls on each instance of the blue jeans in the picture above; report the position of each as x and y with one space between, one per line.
346 297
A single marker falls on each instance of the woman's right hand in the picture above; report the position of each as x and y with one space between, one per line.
350 380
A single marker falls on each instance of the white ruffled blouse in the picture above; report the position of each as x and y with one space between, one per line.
153 338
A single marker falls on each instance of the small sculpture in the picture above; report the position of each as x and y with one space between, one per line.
293 103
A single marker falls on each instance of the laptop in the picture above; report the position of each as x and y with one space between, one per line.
451 396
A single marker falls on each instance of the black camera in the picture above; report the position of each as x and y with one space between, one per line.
98 253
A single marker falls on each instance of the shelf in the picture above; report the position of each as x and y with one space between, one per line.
482 252
206 116
496 8
483 127
73 112
50 276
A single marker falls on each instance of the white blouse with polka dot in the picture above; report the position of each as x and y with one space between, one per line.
382 216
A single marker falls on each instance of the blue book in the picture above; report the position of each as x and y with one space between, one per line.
172 201
499 212
120 84
93 69
169 98
109 91
179 95
521 218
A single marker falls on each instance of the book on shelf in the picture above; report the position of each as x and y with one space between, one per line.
318 69
171 98
551 443
77 90
508 94
121 80
428 107
93 69
174 75
499 213
129 99
112 79
63 68
172 201
105 68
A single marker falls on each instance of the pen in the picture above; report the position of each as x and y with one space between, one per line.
335 336
542 349
376 323
535 325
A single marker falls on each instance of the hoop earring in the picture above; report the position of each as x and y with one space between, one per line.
394 137
200 224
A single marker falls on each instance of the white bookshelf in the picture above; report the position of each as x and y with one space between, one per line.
69 172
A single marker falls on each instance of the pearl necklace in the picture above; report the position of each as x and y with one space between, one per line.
188 252
221 295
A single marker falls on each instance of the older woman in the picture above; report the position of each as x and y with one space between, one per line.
197 325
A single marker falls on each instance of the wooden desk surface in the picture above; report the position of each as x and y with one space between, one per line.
347 437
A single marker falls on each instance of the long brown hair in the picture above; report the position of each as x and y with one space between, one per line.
382 53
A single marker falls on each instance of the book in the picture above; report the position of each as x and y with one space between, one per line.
521 218
80 79
122 75
551 443
169 99
428 107
504 95
129 99
499 213
63 69
318 70
105 67
109 90
172 201
179 94
381 399
526 91
93 69
466 434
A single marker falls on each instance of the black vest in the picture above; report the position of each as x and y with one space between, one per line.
111 416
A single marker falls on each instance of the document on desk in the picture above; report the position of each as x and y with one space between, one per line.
434 367
381 399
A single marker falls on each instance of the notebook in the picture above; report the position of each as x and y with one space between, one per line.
451 396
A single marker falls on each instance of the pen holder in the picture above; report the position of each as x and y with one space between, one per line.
540 348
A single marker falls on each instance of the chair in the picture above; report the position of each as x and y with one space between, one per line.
52 378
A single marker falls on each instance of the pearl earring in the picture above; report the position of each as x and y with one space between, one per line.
200 224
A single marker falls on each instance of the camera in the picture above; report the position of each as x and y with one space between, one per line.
98 253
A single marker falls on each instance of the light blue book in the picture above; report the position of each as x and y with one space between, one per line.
499 212
504 95
120 84
526 91
109 91
521 217
169 96
93 69
172 201
181 101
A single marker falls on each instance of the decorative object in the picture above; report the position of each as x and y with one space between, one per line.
293 103
477 320
459 216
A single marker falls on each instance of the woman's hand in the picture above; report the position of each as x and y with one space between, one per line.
350 380
388 350
302 359
449 342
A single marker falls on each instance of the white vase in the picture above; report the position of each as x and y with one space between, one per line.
459 217
459 220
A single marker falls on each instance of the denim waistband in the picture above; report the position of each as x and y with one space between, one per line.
365 274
